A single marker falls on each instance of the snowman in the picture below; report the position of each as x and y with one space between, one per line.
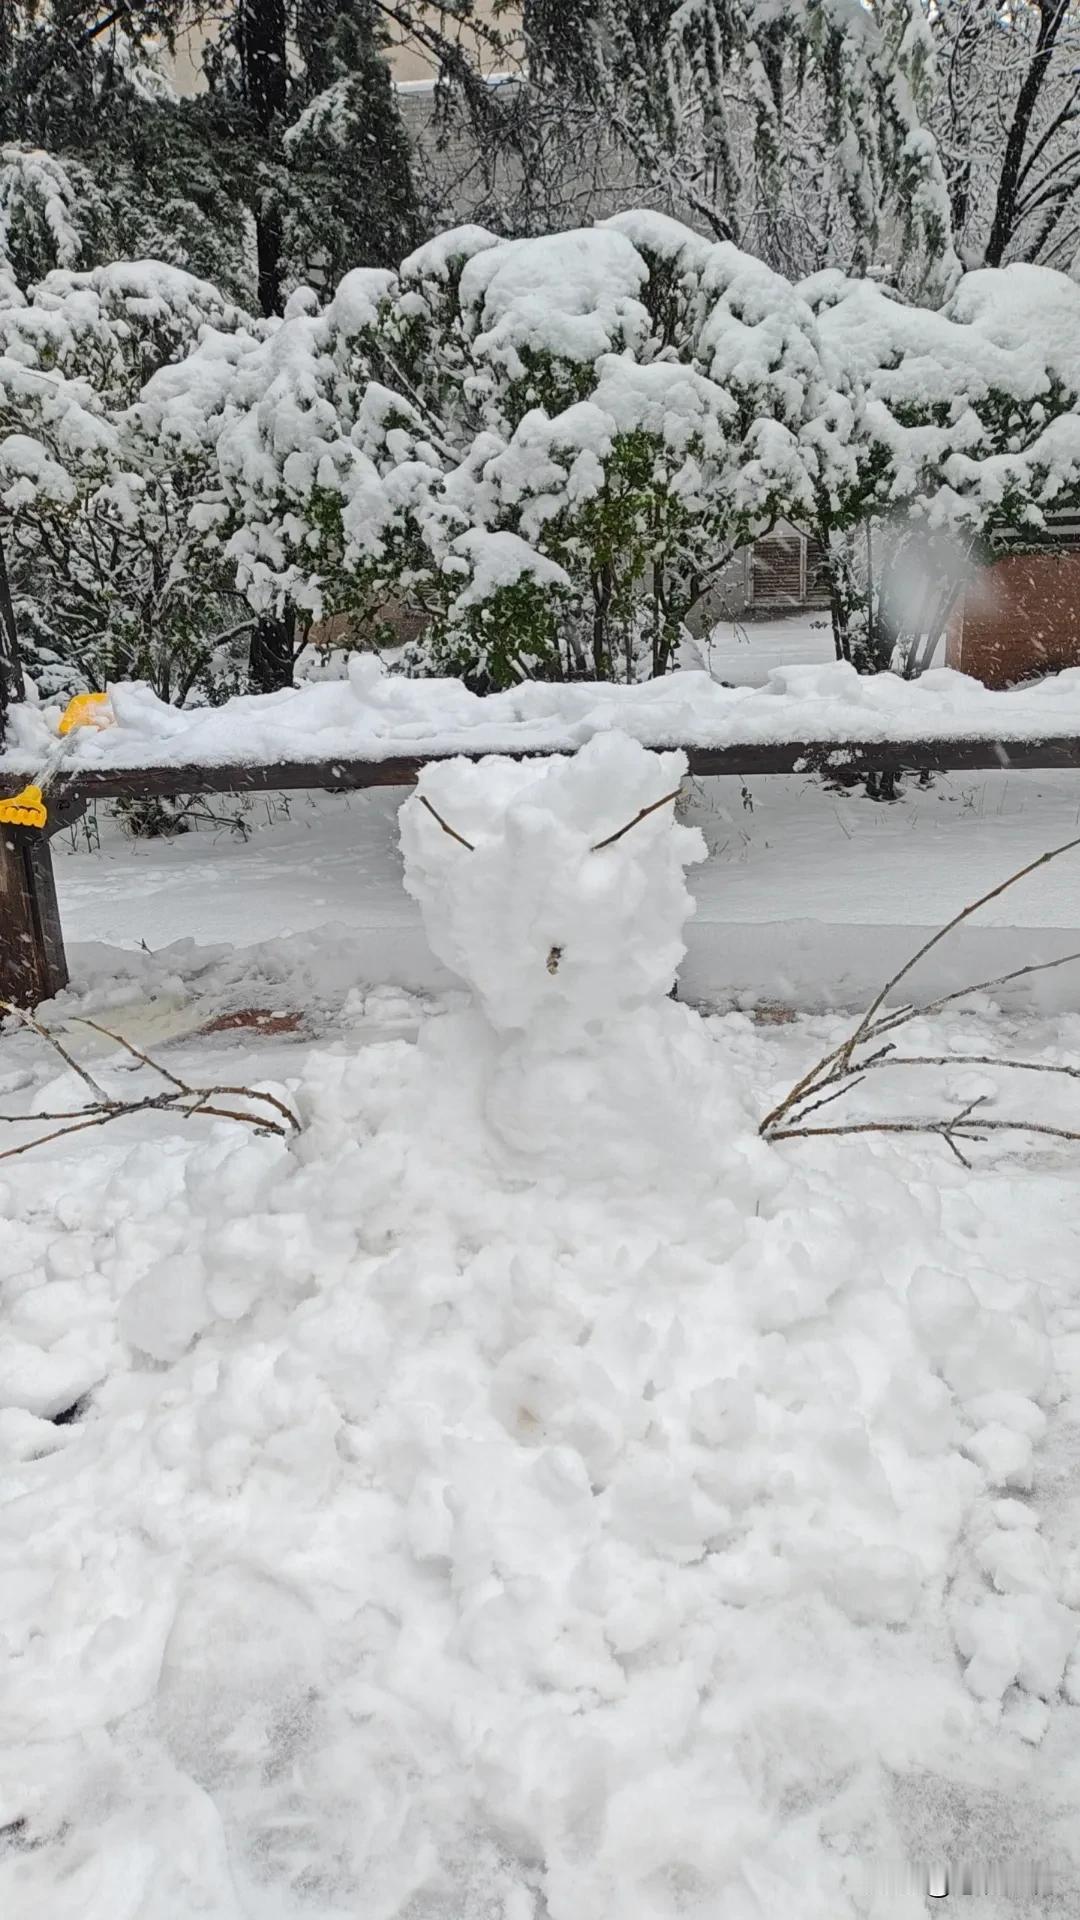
555 890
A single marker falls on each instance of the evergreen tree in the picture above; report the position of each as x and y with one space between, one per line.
298 88
290 163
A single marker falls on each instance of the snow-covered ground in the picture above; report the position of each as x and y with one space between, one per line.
743 653
526 1495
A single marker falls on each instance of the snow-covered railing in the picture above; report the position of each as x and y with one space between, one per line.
377 729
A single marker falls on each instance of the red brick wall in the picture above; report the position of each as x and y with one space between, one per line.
1019 618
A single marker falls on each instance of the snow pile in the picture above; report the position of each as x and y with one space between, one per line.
377 715
527 1494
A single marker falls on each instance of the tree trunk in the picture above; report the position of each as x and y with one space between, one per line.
602 587
11 679
268 256
270 658
839 607
262 47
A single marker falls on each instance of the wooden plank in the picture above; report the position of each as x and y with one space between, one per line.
774 757
33 965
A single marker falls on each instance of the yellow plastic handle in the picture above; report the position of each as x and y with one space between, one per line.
85 710
25 809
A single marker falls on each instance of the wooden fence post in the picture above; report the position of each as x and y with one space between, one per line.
33 965
32 962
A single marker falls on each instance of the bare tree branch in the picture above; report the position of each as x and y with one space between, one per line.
964 914
947 1129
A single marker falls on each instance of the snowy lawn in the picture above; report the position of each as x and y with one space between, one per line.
743 653
526 1495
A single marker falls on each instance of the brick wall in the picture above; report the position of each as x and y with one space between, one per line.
1019 618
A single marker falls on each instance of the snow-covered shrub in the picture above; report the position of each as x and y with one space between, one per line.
967 429
628 402
629 405
109 572
549 448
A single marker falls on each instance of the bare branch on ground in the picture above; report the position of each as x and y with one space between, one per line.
840 1070
178 1097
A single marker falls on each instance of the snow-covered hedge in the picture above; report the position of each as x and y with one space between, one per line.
552 446
110 576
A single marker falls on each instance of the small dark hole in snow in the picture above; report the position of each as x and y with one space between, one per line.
67 1418
14 1835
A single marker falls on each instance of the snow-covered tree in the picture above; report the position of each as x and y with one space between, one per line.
107 573
552 446
50 216
1006 113
290 161
795 128
83 90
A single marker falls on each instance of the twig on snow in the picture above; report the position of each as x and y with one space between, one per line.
838 1071
948 1129
445 824
119 1040
29 1020
898 1015
180 1098
965 913
643 814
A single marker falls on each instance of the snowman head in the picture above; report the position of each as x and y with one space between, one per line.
555 888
